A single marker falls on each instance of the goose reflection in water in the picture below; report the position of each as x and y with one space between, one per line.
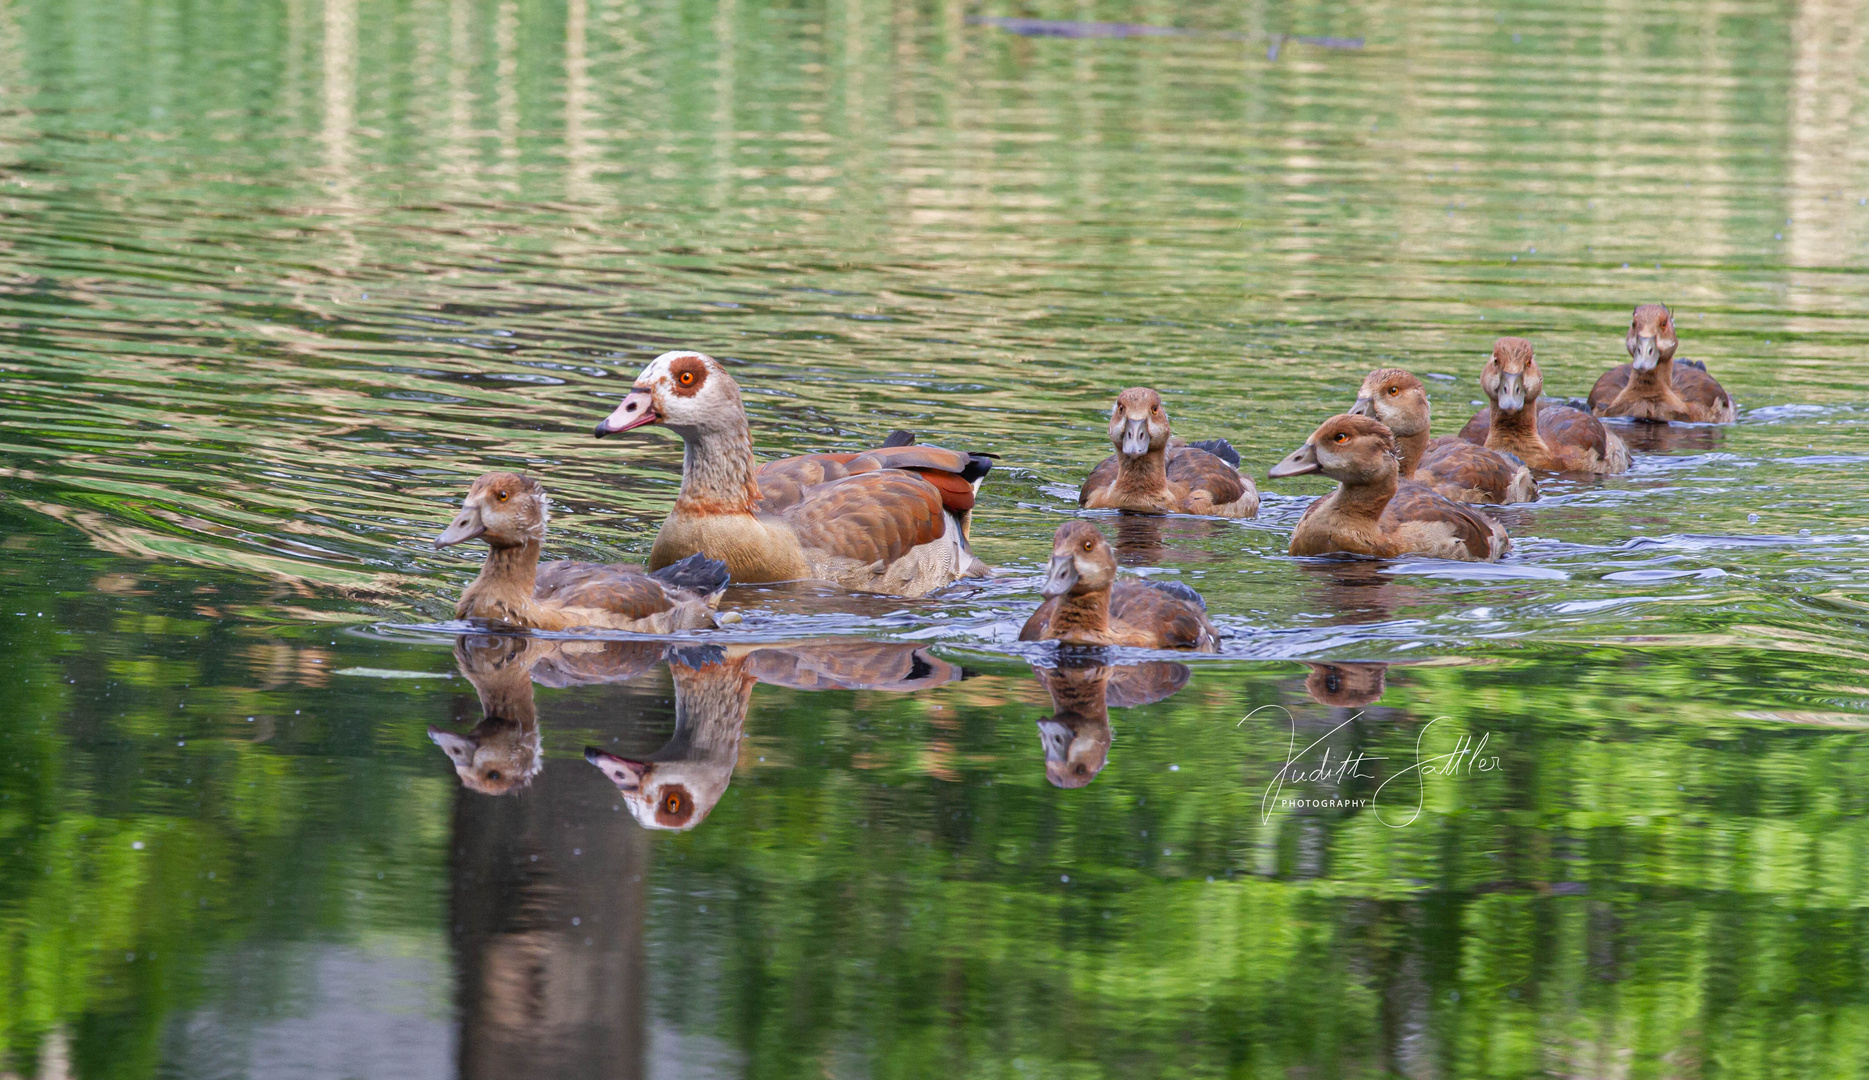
1083 688
677 786
1346 684
501 753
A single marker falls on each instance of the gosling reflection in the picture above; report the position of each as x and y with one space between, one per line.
502 752
678 786
1076 737
1346 684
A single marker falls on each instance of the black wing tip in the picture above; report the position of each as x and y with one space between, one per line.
1178 590
1701 364
978 465
1219 448
698 572
899 437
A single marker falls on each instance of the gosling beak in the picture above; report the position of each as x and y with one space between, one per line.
1646 353
1135 437
1364 407
624 773
459 748
1511 396
1060 576
466 527
1297 463
637 409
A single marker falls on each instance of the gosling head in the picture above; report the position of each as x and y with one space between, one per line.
1138 423
1511 378
1651 336
1348 449
504 509
1396 399
1081 561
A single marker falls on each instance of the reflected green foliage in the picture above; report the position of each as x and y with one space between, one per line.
1652 887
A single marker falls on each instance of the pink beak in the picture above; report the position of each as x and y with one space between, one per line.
637 409
624 773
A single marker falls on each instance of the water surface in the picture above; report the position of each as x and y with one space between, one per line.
278 280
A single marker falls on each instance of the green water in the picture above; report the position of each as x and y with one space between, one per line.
277 279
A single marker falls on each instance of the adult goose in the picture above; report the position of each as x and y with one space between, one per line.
509 512
1548 437
1455 468
1153 473
889 520
1655 386
1372 512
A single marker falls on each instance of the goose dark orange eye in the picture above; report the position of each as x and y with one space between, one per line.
1341 438
1394 390
686 378
1088 544
500 495
672 803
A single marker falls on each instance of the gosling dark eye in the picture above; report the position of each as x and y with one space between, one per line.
1394 390
1341 438
500 495
1088 544
493 774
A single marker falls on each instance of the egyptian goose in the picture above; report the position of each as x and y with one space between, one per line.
510 512
677 787
890 520
1087 605
1653 385
1371 512
1548 437
1152 474
1452 467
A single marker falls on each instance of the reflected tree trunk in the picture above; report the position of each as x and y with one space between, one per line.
548 894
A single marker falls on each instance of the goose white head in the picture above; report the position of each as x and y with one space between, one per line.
687 392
